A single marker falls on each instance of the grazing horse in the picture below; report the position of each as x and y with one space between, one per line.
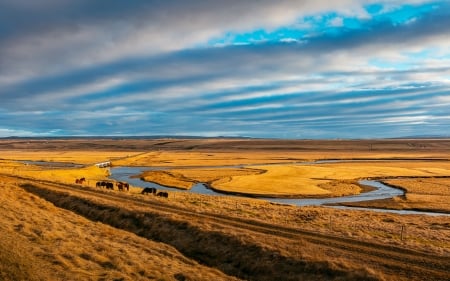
163 194
123 185
148 190
101 184
80 181
110 185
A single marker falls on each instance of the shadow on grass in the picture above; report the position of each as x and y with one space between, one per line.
227 253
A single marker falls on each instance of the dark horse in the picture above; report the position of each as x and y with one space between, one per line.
163 194
110 185
148 190
123 185
101 184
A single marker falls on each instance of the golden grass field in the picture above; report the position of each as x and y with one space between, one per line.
64 156
43 242
427 194
332 179
186 178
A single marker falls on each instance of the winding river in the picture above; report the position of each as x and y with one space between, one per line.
382 191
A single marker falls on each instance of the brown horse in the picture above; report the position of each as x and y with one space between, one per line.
80 181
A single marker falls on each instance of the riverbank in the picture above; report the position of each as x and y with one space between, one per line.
301 180
426 194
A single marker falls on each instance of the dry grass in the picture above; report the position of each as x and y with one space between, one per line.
277 180
241 247
185 178
424 186
431 194
424 194
168 178
256 157
42 242
108 253
426 233
80 157
234 250
325 179
333 179
195 158
65 175
343 187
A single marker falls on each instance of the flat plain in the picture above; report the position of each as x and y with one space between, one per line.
189 236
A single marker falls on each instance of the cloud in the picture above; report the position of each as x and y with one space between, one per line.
62 34
94 68
336 22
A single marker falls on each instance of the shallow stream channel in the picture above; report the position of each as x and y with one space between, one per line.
381 191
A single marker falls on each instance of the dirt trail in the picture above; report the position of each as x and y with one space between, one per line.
181 228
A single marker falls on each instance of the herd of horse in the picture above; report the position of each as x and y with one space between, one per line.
122 186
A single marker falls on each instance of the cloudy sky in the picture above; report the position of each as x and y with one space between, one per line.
279 69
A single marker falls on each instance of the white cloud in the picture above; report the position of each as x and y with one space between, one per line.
336 22
138 65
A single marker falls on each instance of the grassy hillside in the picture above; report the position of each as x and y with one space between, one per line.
42 242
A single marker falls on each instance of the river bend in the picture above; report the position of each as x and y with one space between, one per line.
382 191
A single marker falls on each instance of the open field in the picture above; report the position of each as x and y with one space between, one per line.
290 243
63 156
331 179
43 242
185 178
426 194
297 180
129 236
208 152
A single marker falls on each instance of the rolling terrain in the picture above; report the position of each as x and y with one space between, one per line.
54 229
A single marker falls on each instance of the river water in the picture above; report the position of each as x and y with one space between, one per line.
382 191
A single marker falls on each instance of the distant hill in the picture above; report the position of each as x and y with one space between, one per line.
124 137
425 137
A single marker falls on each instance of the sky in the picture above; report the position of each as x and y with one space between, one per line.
307 69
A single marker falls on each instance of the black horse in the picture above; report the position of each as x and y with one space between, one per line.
163 194
110 185
149 190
